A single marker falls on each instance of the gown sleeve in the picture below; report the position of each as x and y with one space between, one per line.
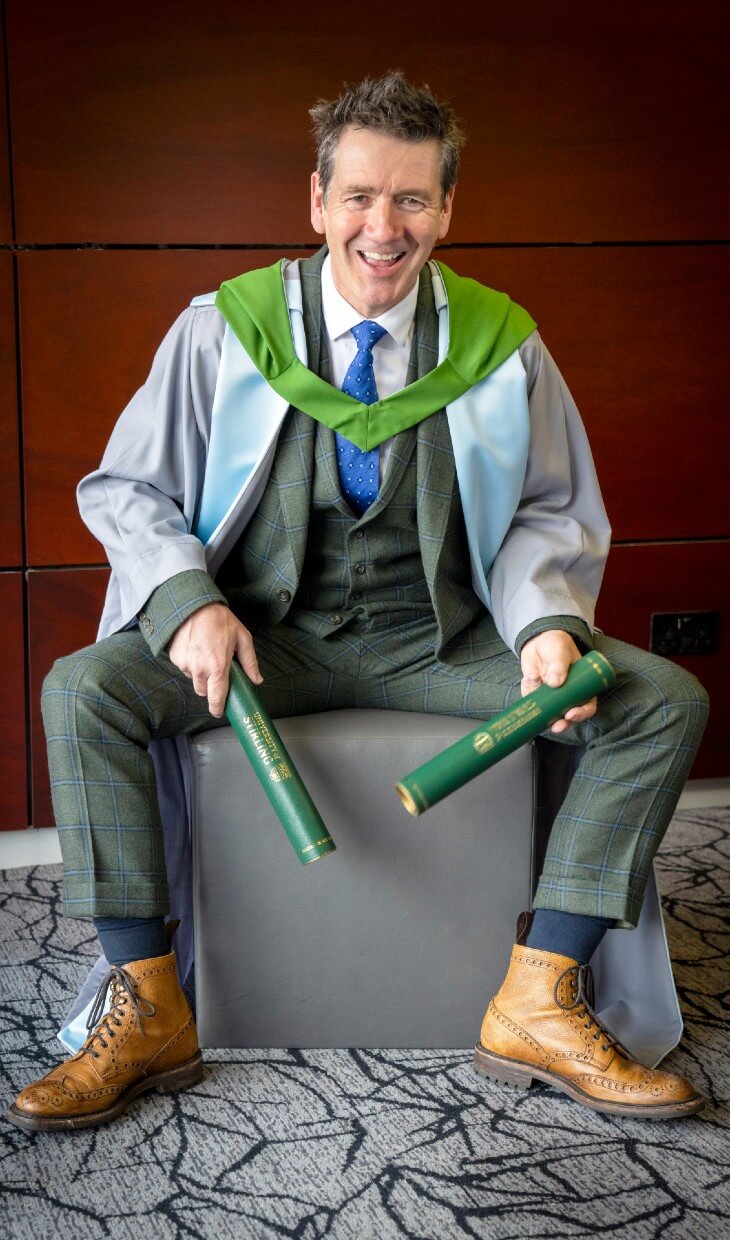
552 558
141 502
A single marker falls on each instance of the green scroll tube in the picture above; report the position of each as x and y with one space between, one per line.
283 786
492 741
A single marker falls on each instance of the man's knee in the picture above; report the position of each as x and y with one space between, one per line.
651 686
662 684
91 670
64 672
678 688
691 699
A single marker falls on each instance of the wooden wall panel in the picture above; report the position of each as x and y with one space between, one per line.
90 324
181 123
676 577
6 227
11 547
63 616
639 335
13 756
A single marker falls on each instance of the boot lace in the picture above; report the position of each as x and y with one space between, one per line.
123 993
582 999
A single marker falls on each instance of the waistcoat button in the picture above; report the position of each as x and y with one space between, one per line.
335 619
283 595
359 569
357 595
359 533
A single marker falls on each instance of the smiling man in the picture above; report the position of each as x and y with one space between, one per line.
364 476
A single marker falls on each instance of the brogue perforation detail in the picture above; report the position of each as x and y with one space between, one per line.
562 1056
535 963
621 1087
109 1091
517 1031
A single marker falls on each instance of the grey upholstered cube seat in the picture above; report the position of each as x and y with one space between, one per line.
396 939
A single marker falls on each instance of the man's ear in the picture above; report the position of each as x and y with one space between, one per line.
317 205
446 213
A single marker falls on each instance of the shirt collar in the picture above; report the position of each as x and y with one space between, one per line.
340 317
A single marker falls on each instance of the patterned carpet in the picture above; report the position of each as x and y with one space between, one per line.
368 1144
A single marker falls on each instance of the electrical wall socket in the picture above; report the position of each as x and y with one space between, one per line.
685 632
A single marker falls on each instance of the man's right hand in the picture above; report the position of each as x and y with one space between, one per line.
203 647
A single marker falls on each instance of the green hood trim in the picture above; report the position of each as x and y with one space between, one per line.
485 328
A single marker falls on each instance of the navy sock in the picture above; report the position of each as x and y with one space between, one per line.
567 934
124 939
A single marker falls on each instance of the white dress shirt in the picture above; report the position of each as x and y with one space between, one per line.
391 354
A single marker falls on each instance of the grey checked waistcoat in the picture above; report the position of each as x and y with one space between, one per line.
301 550
368 566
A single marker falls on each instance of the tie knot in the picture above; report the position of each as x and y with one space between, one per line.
367 333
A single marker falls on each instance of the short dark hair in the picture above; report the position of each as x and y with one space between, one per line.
392 105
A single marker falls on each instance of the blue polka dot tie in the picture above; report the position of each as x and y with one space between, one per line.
358 470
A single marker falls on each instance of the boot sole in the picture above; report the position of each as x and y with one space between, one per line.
521 1075
169 1082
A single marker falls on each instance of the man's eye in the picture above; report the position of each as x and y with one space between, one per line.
358 200
413 204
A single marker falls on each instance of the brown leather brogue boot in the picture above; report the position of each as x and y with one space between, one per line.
541 1024
147 1040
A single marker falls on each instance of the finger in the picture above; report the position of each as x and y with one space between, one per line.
531 667
247 657
557 670
530 663
217 693
578 714
200 683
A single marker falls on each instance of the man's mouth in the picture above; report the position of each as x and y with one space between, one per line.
380 261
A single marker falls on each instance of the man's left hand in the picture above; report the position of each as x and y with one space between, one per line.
546 660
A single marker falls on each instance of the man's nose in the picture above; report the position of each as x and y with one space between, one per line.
383 221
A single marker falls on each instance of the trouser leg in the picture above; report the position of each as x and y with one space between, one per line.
639 748
101 708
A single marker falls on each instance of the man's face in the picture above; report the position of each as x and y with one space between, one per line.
382 216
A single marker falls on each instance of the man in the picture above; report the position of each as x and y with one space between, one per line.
411 519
